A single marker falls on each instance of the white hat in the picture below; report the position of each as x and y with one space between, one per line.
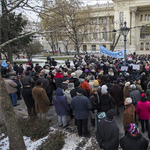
104 89
127 101
127 84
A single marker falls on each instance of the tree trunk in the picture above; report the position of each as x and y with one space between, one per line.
16 141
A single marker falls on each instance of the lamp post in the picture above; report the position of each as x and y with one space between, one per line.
125 30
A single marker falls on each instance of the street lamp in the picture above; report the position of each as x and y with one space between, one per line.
125 30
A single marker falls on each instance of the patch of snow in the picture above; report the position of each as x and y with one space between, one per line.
71 142
88 144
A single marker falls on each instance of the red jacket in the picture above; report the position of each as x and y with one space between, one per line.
58 75
143 109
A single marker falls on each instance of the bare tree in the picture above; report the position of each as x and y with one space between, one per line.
69 18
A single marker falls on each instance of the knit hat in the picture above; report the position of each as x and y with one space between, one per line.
133 86
143 98
110 114
104 89
79 91
132 128
70 86
95 83
127 101
127 84
86 70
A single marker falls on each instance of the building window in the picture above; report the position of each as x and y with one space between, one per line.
142 46
85 48
105 34
93 47
147 46
146 17
104 20
95 37
94 21
142 34
86 36
141 18
121 17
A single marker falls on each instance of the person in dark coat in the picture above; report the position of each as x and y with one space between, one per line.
15 68
20 69
116 93
133 140
81 106
74 91
29 101
148 92
107 133
106 100
61 107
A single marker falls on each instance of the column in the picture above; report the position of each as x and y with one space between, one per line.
108 29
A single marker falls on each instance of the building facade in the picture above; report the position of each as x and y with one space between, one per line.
107 17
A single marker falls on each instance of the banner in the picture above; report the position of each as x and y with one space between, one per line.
119 54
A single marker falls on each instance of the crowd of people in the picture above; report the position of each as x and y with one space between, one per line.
92 83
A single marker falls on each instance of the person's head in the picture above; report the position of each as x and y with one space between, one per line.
128 101
115 82
104 89
143 97
95 84
70 86
133 87
138 81
77 84
79 91
131 128
127 84
39 82
110 115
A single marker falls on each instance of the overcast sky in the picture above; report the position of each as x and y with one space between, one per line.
32 16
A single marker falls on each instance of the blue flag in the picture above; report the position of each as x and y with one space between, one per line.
118 54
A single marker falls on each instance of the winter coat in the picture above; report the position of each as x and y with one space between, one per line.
58 79
107 135
95 102
74 92
148 94
60 103
27 80
135 96
128 115
129 142
116 93
68 96
143 109
126 92
78 73
20 70
81 106
11 86
46 85
139 87
106 102
41 99
27 96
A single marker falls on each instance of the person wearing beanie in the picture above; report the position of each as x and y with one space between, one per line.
142 110
107 133
106 100
134 94
81 106
129 113
133 140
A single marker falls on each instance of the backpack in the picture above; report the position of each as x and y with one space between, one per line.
4 64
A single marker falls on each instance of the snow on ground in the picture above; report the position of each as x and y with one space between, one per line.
71 141
42 61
